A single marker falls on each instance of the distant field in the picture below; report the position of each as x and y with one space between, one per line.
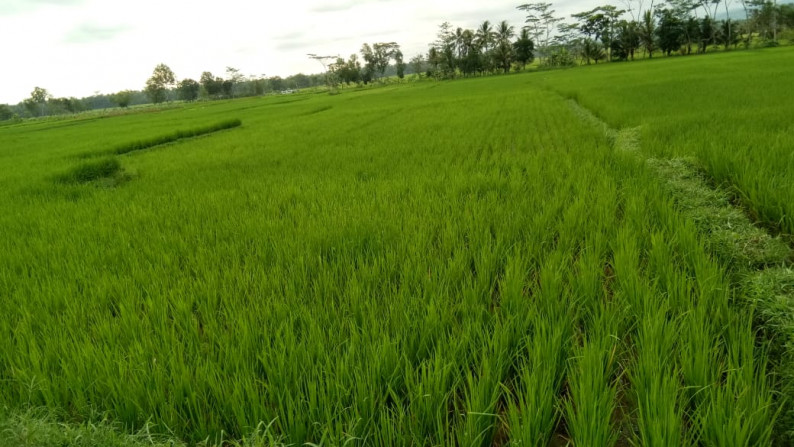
455 263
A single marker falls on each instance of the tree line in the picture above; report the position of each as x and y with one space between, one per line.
160 87
606 33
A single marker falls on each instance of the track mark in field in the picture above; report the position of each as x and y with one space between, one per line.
104 172
316 110
760 263
176 136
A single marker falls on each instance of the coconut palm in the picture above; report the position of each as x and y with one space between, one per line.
485 36
504 32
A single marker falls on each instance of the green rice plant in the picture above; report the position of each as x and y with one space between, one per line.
533 407
654 379
592 386
480 408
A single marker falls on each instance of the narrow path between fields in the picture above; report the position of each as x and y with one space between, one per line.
760 264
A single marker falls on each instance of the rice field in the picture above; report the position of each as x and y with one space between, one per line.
732 112
454 263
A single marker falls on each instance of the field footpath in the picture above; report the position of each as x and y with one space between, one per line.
761 264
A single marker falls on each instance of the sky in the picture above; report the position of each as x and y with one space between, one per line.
80 47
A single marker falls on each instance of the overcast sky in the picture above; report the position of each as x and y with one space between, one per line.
78 47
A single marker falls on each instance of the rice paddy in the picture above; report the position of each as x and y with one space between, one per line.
436 263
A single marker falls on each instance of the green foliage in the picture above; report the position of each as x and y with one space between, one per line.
377 58
158 84
188 90
524 48
6 113
212 85
36 105
123 98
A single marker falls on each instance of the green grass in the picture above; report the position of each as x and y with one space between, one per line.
456 263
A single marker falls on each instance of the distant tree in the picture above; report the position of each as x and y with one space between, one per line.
592 50
670 31
370 61
158 84
485 36
599 24
59 106
418 64
541 22
331 76
691 33
259 84
647 33
37 103
40 95
6 113
276 83
627 40
707 33
442 55
347 71
188 89
399 63
503 53
384 53
122 98
524 48
353 69
787 15
233 76
227 87
377 58
727 35
212 85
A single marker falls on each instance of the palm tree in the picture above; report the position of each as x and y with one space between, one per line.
484 40
503 50
504 32
485 35
459 42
